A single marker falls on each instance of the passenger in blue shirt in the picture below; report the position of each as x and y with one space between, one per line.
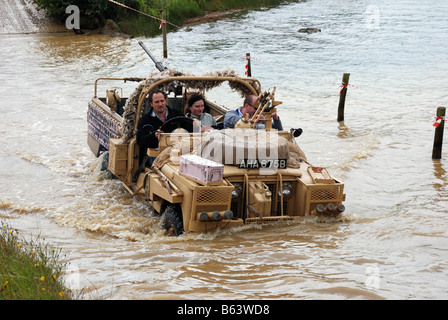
233 116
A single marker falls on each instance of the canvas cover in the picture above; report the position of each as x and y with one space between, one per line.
230 146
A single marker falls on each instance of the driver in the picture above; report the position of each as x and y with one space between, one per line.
148 129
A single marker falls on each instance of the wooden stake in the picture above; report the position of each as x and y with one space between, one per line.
165 49
438 136
249 71
345 78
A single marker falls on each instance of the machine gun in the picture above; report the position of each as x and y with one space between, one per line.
175 86
158 64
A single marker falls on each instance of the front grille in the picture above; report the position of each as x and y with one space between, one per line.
205 196
278 212
326 193
237 206
285 208
211 198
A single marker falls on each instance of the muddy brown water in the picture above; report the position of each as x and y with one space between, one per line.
392 241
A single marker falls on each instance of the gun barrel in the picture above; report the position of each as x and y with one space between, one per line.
158 64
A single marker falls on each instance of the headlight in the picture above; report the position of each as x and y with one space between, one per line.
320 208
287 190
330 207
236 193
203 216
228 214
216 216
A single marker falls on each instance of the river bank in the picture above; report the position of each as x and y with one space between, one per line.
129 20
112 28
211 16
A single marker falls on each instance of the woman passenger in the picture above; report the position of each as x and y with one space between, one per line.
196 112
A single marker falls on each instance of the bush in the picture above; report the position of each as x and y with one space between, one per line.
90 9
177 11
136 24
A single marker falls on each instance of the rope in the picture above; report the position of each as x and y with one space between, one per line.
143 13
252 58
438 119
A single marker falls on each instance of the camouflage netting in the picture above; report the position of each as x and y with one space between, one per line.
129 114
130 109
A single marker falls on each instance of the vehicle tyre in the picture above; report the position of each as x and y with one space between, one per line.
105 166
172 221
105 161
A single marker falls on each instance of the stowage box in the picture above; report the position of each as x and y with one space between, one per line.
201 170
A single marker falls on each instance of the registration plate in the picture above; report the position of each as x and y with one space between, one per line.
263 164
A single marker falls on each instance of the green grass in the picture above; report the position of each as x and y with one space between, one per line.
29 270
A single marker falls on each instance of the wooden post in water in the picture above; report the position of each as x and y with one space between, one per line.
249 71
165 49
438 136
342 95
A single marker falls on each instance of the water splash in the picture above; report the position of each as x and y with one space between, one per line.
20 17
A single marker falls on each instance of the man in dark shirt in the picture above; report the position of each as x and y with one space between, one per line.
156 117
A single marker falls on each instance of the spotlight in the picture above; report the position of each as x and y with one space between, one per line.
203 216
228 214
287 190
320 208
236 193
330 207
216 215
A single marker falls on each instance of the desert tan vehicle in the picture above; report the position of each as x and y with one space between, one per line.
219 179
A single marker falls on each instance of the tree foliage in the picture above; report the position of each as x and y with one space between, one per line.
134 23
91 9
